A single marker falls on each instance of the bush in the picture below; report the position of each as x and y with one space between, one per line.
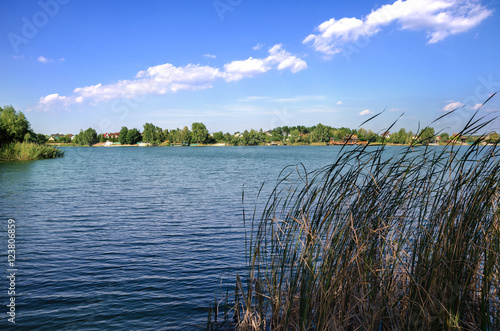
28 151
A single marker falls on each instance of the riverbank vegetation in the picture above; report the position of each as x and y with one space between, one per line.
376 242
319 134
18 141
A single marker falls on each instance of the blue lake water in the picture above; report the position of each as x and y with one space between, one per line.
131 238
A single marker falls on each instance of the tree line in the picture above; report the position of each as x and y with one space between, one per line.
320 133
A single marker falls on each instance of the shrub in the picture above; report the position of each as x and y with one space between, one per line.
28 151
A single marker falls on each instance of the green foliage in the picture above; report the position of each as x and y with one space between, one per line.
174 136
13 126
185 135
133 136
152 134
86 138
427 135
445 137
65 139
28 151
41 138
250 138
321 133
199 133
294 136
123 135
219 137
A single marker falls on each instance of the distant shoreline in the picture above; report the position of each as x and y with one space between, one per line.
263 145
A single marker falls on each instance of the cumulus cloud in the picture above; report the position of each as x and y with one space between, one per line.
278 58
452 106
51 98
365 112
210 56
43 59
167 78
339 103
477 106
439 18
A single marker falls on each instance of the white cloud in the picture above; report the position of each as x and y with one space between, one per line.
237 70
258 47
365 112
167 78
452 106
53 98
285 60
210 56
339 103
43 59
477 106
440 18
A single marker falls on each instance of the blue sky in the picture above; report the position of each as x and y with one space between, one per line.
240 64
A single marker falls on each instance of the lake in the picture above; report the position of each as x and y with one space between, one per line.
132 238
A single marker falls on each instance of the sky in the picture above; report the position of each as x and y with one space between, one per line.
239 64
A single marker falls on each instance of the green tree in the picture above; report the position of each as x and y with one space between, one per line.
185 136
41 138
321 133
426 135
152 133
362 134
199 133
133 136
89 137
123 135
174 136
250 138
219 136
227 137
13 126
65 139
444 137
294 136
371 136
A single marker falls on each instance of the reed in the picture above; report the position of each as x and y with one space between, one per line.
377 242
28 151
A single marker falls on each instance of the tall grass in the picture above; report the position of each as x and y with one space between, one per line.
28 151
378 242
